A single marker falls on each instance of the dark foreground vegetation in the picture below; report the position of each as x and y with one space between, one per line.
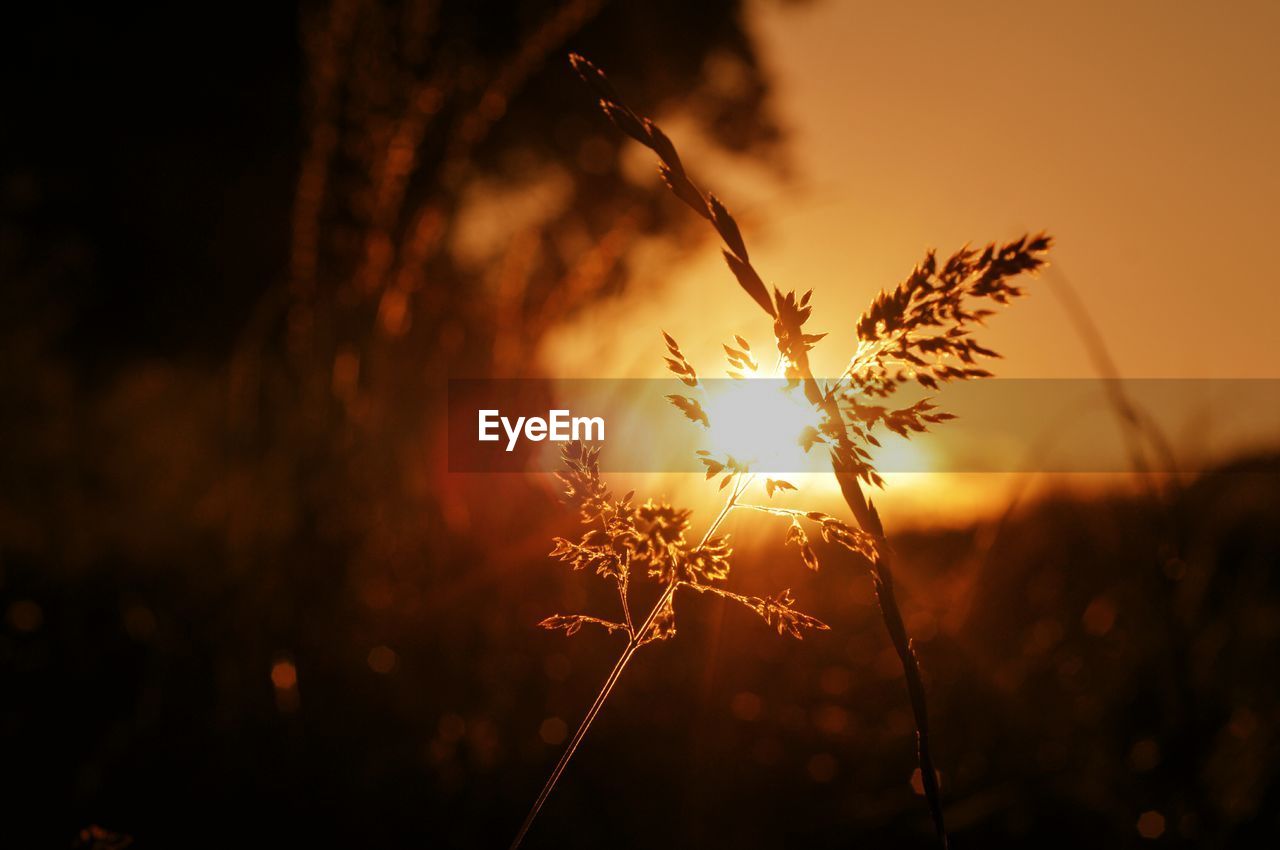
1087 672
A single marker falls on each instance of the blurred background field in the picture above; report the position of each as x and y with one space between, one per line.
245 603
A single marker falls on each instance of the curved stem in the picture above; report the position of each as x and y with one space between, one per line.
892 616
869 520
905 647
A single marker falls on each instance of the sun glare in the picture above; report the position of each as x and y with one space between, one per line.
759 422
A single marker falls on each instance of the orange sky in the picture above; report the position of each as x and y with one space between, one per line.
1142 135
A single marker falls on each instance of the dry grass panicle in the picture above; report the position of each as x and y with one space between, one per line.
622 537
922 332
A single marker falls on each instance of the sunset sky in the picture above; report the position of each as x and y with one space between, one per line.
1142 136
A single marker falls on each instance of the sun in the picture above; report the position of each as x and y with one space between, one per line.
759 422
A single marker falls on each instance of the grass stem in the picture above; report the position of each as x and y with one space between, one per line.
636 639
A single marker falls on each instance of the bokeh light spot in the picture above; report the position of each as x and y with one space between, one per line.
284 675
25 615
382 659
553 731
1099 617
1151 825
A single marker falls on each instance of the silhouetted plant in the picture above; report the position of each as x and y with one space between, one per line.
921 332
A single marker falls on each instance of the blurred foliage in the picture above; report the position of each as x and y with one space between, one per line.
241 354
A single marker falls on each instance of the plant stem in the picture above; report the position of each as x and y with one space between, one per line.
843 456
765 509
882 575
624 659
892 615
624 589
905 648
635 640
1135 424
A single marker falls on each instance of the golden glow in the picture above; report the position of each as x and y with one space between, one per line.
759 423
852 222
901 461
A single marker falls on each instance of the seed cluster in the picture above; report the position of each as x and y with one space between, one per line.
921 332
622 536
